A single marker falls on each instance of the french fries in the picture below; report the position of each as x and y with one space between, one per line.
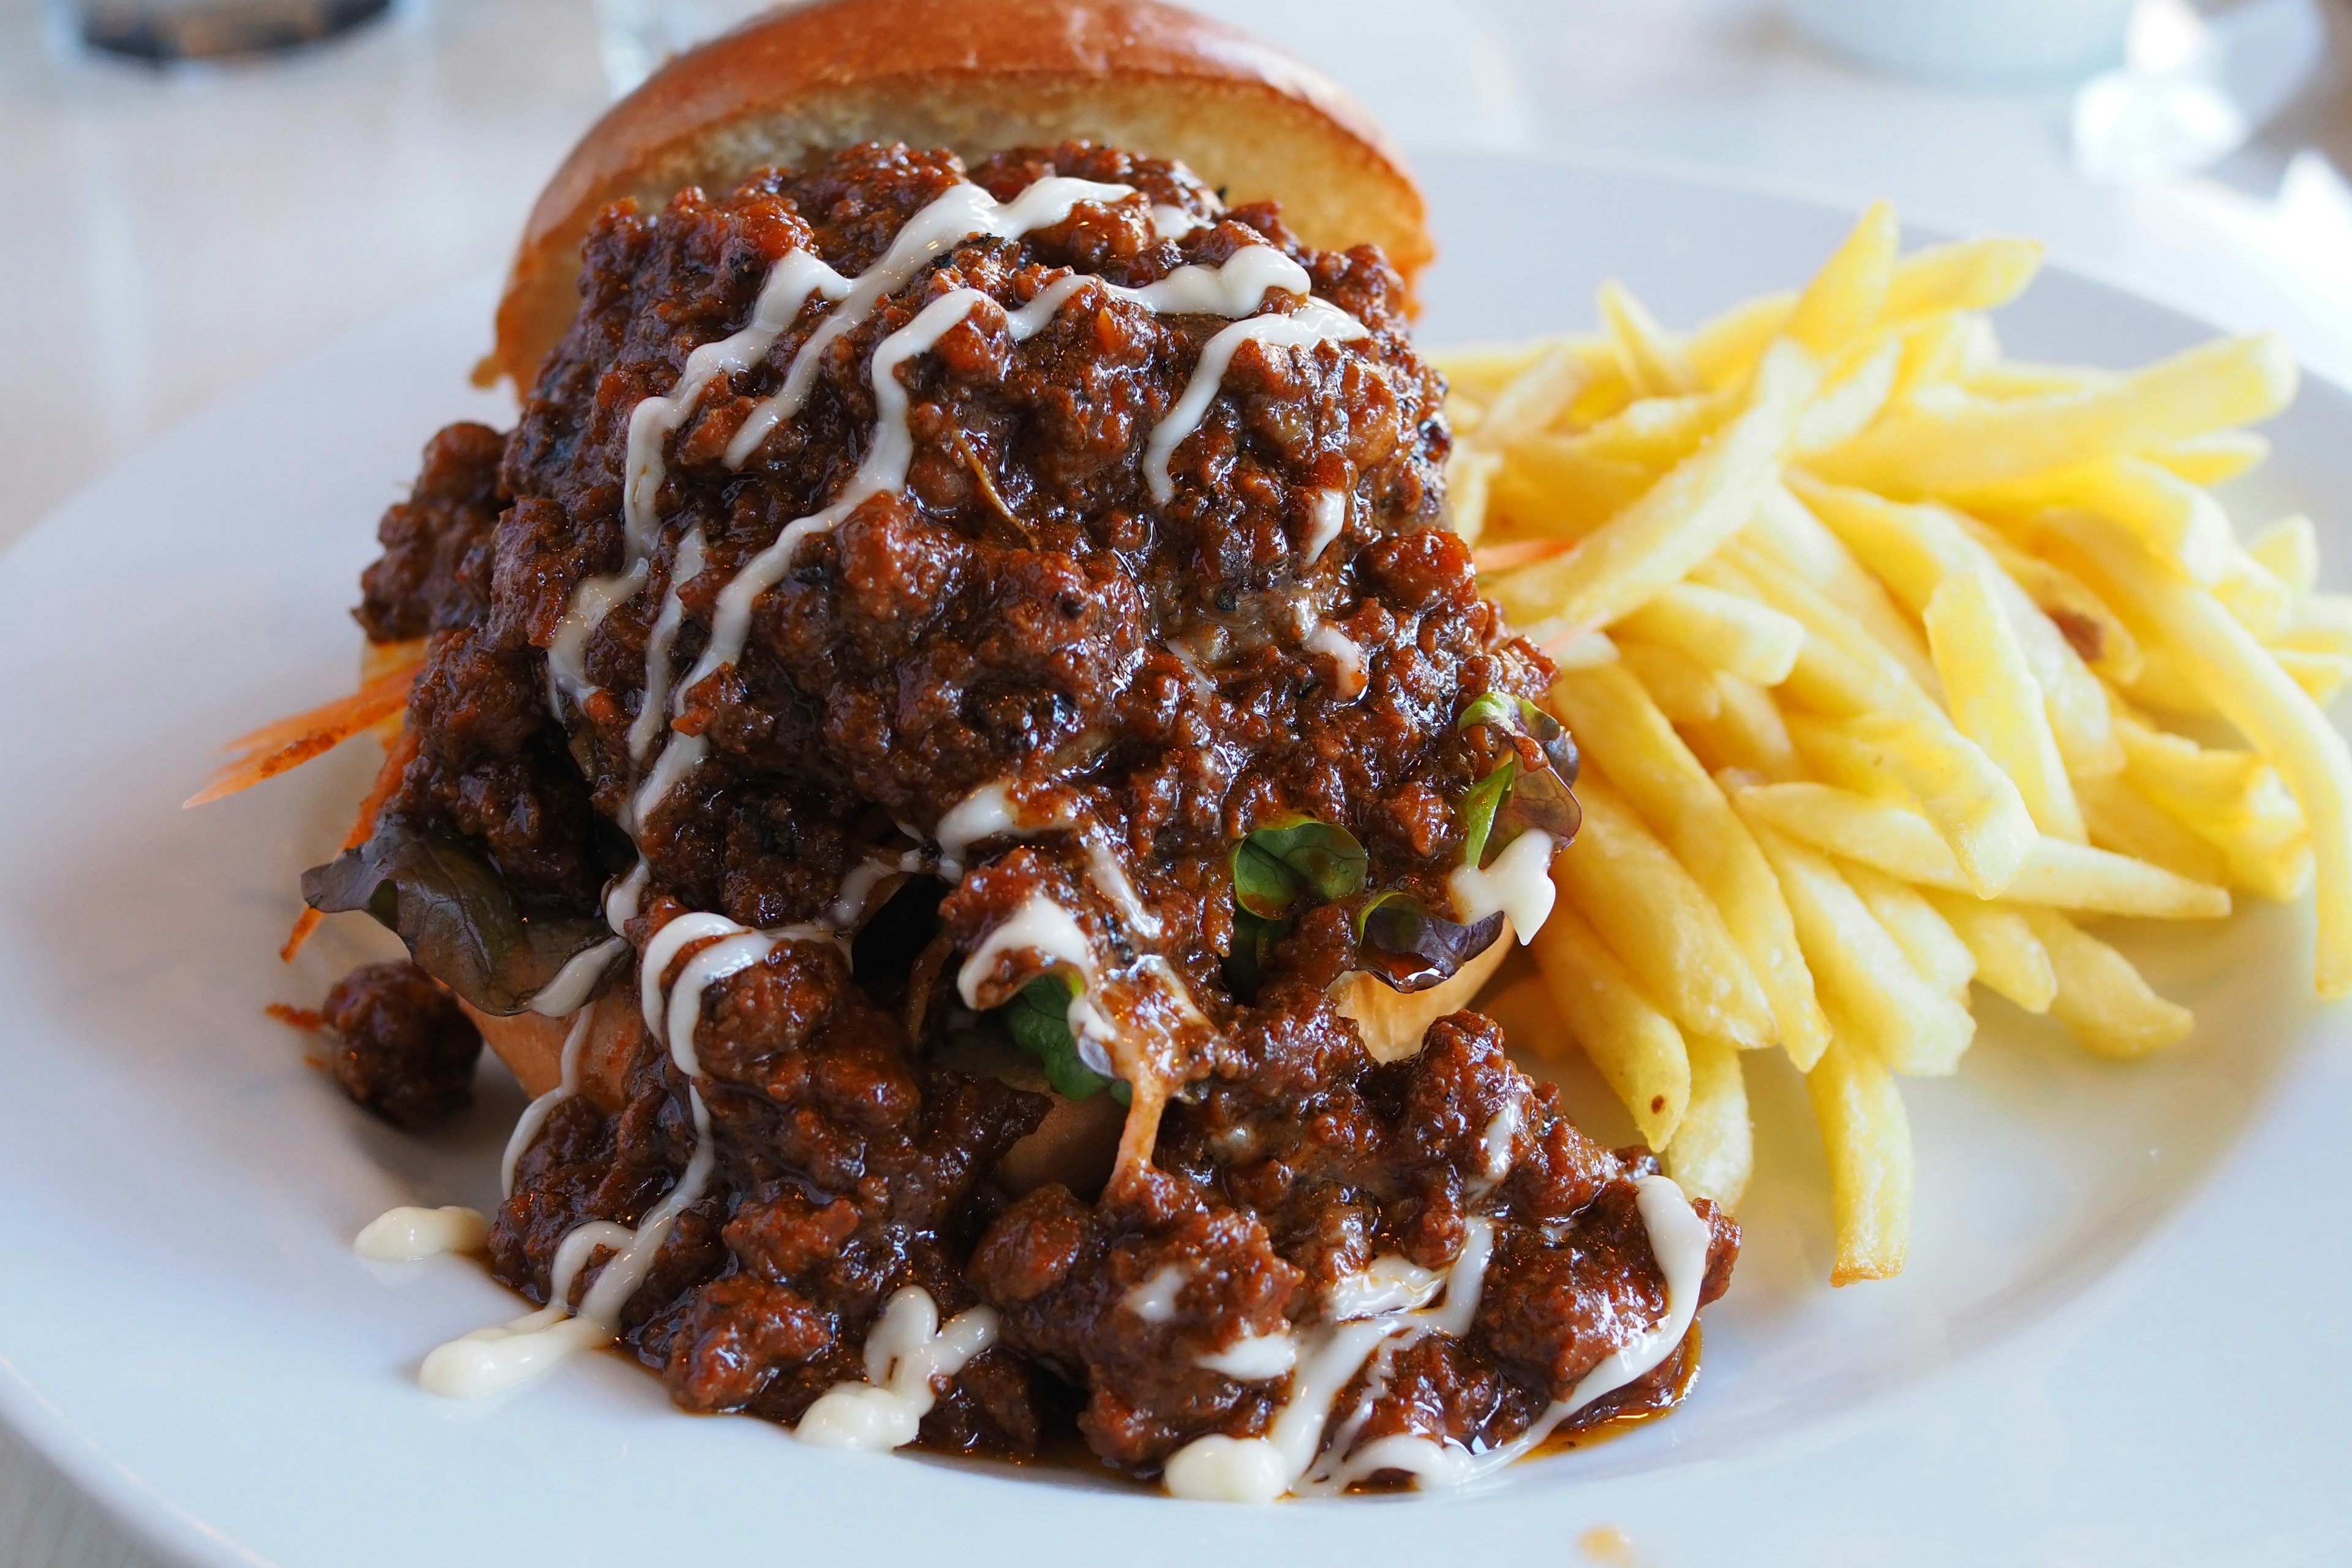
1873 641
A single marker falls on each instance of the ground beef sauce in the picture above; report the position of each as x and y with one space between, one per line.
1141 682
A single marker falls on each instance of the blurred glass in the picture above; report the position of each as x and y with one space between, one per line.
162 32
2195 85
1996 43
639 35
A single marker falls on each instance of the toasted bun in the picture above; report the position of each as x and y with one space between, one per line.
1392 1022
532 1045
977 76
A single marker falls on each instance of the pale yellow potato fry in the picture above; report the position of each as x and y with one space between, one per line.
1849 294
1897 840
1634 1047
2215 386
2104 1001
2007 379
1839 668
1724 631
2123 820
1914 548
1749 733
1469 478
1550 485
1832 755
1968 275
2011 961
1848 404
1624 735
2322 622
1658 919
1684 688
2175 518
1975 806
2239 678
1867 1139
2209 459
1481 370
2163 683
2321 674
1656 433
2290 548
1530 401
2089 623
1786 530
1935 351
1713 1150
1859 969
2253 593
1995 699
2233 800
1681 520
1724 349
1927 938
1650 357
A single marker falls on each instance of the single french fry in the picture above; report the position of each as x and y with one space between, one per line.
1848 404
1970 275
2268 708
1684 688
1897 840
1935 950
2290 548
1861 971
1848 295
1548 484
1483 370
2322 622
2102 999
2179 520
2126 822
1724 349
1531 400
2210 459
1656 433
1713 1150
1749 734
1975 806
1650 357
1724 631
2215 386
2322 676
1995 699
2011 961
1469 479
1625 735
1634 1047
1830 755
1839 668
1681 520
1915 548
1867 1138
1934 352
1786 530
2253 593
1669 933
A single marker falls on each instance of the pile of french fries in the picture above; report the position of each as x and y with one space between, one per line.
1895 664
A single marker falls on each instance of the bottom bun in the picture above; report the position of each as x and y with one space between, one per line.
1392 1022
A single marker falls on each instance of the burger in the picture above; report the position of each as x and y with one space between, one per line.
953 749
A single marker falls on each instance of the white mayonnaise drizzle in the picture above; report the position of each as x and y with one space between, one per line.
1347 657
490 1360
908 1354
653 713
1519 885
986 813
409 1234
1253 1358
1154 1300
1040 926
534 1115
1330 511
1316 323
576 980
1169 221
567 653
1258 1469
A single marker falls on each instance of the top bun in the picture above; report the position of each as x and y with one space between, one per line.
977 76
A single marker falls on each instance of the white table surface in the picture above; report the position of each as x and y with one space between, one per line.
165 238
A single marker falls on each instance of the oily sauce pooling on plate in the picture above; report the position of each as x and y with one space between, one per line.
938 637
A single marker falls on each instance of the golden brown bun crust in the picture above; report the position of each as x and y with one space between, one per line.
532 1046
976 76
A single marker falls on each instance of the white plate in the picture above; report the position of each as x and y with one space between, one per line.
2111 1347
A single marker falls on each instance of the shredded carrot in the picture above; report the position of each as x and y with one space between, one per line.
297 1017
1520 552
290 742
387 779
